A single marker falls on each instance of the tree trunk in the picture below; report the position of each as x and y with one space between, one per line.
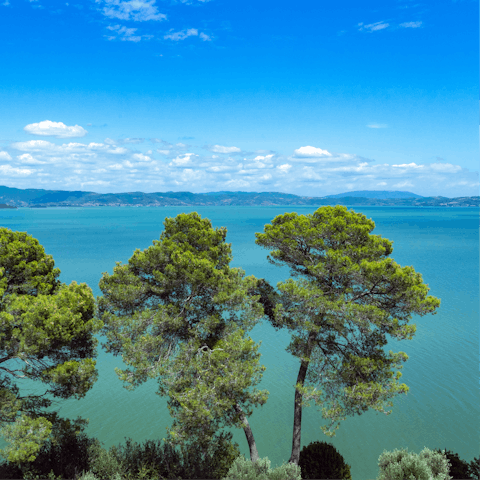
297 415
248 433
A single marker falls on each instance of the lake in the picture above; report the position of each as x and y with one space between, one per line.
442 408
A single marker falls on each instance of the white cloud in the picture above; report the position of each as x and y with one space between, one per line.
219 168
309 171
52 148
445 167
26 158
136 10
55 129
308 152
411 24
126 34
285 168
377 125
408 165
183 34
10 171
373 27
221 149
266 157
205 37
140 157
96 182
182 161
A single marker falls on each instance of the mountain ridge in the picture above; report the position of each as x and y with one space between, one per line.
36 198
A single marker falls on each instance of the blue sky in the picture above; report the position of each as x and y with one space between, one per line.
306 97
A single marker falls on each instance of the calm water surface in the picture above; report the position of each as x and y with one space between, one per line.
442 408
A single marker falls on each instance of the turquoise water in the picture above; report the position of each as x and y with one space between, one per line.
442 408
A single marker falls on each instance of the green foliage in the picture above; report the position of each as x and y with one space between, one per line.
475 468
48 328
205 384
460 469
401 465
180 297
105 464
243 469
321 460
88 476
346 286
154 460
64 454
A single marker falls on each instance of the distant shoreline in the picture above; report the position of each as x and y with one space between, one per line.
38 198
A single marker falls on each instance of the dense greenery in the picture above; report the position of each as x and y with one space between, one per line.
46 335
70 453
322 460
180 296
54 198
179 313
346 287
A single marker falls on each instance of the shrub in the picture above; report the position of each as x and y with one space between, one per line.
475 468
88 476
63 455
321 460
401 465
152 459
243 469
459 469
104 464
217 462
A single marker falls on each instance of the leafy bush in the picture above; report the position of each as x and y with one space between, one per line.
322 460
104 464
475 468
459 468
63 455
88 476
152 459
243 469
401 465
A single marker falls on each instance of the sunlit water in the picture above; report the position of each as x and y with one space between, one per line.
441 410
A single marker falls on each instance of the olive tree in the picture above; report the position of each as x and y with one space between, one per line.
177 312
46 335
347 296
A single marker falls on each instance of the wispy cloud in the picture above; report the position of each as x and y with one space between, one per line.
126 34
183 34
123 141
307 170
222 149
372 27
411 24
135 10
55 129
377 125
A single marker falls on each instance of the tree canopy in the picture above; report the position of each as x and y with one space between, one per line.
346 287
178 312
46 335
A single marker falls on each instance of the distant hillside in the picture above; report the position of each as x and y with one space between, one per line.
383 194
37 198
